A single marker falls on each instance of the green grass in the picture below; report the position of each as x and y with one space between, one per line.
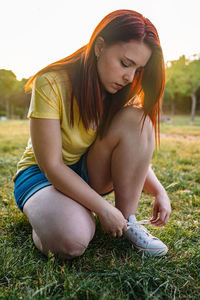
180 125
110 268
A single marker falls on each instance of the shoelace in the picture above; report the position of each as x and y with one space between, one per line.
139 224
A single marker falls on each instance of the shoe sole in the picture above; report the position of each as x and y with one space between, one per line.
151 251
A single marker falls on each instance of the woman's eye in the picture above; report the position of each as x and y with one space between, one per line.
124 64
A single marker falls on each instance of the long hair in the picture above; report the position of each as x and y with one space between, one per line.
81 67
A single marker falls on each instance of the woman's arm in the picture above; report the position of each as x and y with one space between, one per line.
162 207
47 146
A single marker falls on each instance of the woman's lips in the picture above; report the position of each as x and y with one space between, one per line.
119 86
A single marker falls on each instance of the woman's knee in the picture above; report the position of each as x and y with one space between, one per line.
130 122
72 249
76 243
71 246
66 249
66 243
61 225
134 116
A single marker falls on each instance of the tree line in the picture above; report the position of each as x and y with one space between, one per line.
14 102
181 95
182 89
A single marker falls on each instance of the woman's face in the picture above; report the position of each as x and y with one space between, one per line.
118 63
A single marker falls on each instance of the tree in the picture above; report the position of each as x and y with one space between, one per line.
192 84
13 100
7 88
174 79
183 78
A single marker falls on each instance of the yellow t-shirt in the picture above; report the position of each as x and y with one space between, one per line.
50 99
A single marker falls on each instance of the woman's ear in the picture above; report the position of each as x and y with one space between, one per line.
99 46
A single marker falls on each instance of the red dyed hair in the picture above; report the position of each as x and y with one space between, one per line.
81 67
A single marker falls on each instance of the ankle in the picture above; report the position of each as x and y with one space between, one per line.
132 218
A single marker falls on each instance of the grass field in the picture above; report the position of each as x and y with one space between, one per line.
110 268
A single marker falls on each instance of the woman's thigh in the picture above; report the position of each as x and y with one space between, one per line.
62 224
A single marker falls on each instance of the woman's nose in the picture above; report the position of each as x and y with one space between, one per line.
129 76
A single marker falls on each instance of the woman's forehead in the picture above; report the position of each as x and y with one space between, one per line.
136 52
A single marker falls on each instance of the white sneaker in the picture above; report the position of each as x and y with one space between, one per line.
142 239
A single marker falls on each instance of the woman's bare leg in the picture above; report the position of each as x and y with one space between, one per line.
121 159
60 224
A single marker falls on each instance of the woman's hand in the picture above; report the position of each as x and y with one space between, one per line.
113 221
161 209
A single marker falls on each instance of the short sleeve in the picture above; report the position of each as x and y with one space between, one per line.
45 99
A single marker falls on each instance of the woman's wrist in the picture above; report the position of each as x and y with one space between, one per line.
152 185
103 208
160 191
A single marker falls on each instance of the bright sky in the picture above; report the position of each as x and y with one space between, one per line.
34 33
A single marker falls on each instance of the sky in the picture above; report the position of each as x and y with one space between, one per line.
36 33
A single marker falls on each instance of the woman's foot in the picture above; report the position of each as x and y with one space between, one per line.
142 240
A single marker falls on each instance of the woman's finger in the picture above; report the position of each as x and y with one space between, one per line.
114 234
162 221
155 212
119 233
159 220
167 218
124 229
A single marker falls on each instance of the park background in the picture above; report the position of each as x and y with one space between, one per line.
34 34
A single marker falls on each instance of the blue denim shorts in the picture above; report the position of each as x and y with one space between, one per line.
32 179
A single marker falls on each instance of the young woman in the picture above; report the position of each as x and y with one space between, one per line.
93 125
